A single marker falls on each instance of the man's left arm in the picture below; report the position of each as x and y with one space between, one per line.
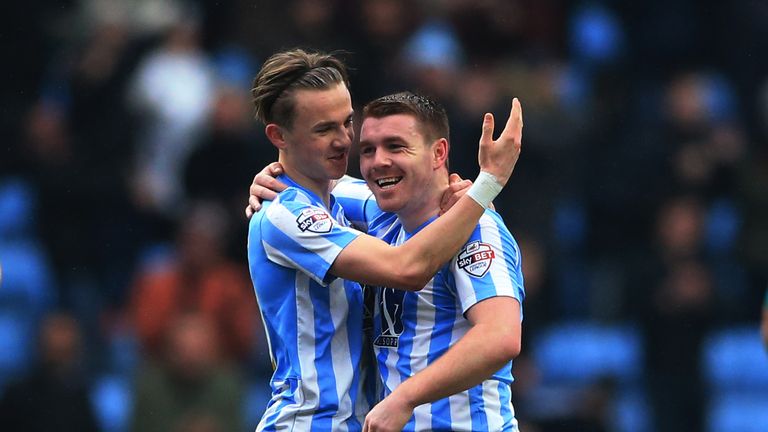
492 341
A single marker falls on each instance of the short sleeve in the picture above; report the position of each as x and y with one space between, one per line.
488 265
304 236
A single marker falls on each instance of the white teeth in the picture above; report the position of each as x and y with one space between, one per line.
388 182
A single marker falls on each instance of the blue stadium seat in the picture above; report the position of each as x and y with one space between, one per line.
580 353
573 357
111 398
16 209
736 371
735 360
631 411
738 413
27 283
16 336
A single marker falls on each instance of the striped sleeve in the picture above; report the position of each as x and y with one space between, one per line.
297 234
488 265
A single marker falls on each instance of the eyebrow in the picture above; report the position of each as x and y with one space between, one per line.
326 123
392 139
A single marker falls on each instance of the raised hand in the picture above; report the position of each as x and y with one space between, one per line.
498 157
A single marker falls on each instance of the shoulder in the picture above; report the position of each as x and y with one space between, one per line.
290 201
490 220
491 234
352 188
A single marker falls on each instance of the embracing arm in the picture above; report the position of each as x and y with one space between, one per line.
492 342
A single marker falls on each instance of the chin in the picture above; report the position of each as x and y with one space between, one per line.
336 174
389 206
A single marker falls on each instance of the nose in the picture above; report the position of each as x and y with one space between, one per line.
344 138
381 159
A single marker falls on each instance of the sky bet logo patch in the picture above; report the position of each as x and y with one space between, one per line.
314 220
476 258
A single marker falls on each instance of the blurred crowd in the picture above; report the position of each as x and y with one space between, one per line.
128 144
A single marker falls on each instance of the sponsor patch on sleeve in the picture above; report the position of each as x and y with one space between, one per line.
476 258
314 220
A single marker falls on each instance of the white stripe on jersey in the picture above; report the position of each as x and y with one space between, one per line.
460 409
393 378
309 387
425 322
342 363
502 280
492 405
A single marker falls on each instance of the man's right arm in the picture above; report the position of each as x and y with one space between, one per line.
410 266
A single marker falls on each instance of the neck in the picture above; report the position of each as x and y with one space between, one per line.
322 188
426 206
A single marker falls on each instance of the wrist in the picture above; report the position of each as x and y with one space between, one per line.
485 189
401 396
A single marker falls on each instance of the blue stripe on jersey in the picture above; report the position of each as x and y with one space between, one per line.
405 341
505 397
445 318
441 415
479 420
323 361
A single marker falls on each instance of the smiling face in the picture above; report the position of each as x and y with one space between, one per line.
403 169
315 148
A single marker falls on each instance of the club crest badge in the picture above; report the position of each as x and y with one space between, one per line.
391 316
314 220
476 258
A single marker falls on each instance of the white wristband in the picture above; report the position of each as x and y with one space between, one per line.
484 189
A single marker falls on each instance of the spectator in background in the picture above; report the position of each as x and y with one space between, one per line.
201 279
678 297
55 395
102 130
228 151
189 387
172 90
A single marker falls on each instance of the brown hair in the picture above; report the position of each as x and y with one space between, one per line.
430 115
288 71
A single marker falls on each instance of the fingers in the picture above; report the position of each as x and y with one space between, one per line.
454 178
515 121
456 189
487 134
248 212
254 202
273 170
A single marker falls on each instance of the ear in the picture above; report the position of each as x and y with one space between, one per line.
276 135
440 150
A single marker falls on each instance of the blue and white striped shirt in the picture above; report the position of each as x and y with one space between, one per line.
313 320
412 329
